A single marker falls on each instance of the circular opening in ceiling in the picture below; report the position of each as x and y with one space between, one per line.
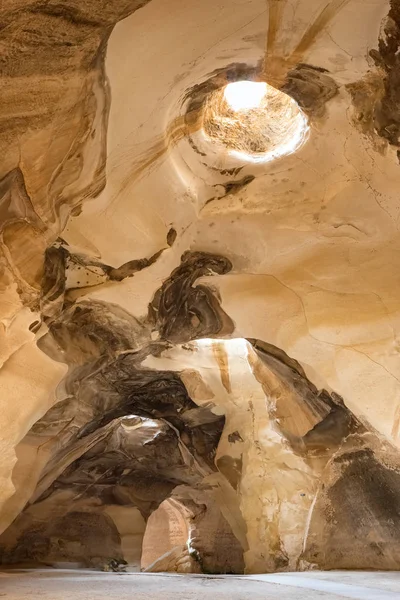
254 121
245 95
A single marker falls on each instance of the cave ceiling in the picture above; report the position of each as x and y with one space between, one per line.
200 307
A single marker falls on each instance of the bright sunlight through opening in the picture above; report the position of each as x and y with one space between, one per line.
254 121
245 95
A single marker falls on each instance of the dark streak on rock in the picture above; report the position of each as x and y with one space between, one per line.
333 421
92 329
234 437
359 511
53 284
231 469
54 278
182 311
311 87
194 146
387 57
232 187
233 171
274 351
171 237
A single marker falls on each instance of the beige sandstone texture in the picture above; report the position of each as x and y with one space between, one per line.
200 307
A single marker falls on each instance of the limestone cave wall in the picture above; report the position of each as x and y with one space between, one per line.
200 309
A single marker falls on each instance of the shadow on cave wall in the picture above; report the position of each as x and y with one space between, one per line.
127 437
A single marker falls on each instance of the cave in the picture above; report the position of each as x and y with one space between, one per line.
200 299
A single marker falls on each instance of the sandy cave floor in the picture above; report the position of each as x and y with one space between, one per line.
90 585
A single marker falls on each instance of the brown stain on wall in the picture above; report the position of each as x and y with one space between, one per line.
357 508
312 420
222 360
274 20
276 65
387 58
182 310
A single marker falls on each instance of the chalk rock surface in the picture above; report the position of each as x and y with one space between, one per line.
200 305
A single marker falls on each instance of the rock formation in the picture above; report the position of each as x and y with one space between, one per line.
200 304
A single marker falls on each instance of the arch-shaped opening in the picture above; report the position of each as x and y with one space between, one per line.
188 533
166 542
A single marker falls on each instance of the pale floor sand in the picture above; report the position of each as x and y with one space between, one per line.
90 585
